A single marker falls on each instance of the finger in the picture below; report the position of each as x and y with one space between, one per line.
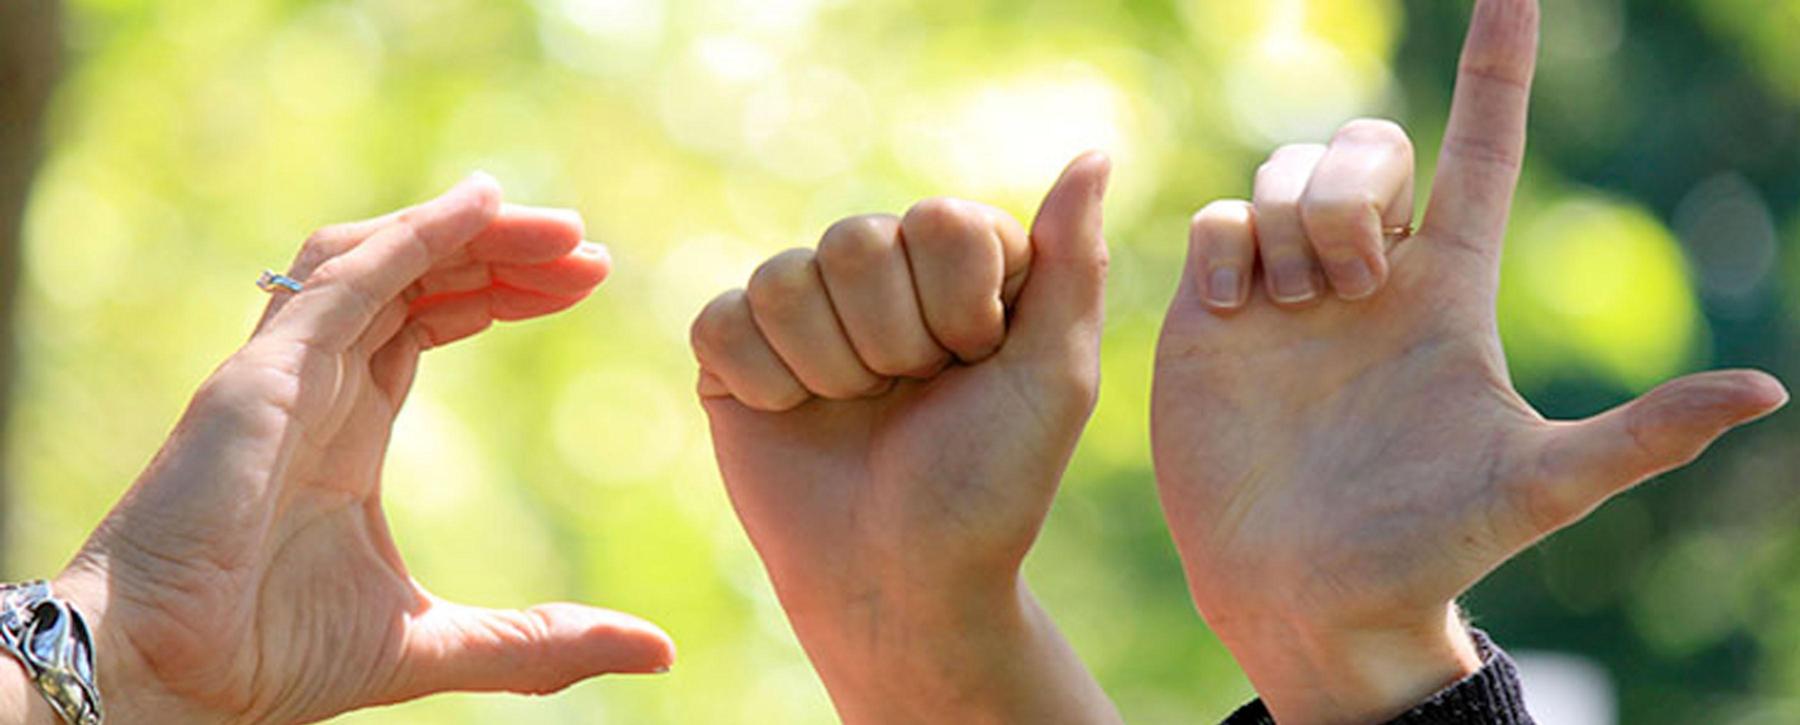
321 245
966 260
733 352
345 292
452 280
385 326
866 274
791 308
519 234
1362 185
1063 305
573 275
395 364
539 650
514 305
1291 271
447 319
450 318
1580 465
528 235
1222 253
1484 144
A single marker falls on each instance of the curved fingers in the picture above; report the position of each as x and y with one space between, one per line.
1291 270
736 360
1362 185
870 284
968 263
344 293
1222 253
790 306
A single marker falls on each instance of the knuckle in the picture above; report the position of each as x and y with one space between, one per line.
719 326
1373 131
1336 218
1226 220
1293 152
857 241
782 281
944 219
327 237
1484 151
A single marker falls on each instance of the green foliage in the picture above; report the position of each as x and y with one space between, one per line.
195 143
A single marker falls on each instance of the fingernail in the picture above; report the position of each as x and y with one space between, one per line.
1225 287
1352 277
1293 282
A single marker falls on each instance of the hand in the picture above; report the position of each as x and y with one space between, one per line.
249 575
892 415
1337 473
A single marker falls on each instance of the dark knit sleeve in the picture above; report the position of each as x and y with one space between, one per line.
1488 697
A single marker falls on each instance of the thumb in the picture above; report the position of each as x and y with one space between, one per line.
1588 462
535 651
1062 305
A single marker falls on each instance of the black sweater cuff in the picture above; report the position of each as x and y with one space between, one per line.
1491 696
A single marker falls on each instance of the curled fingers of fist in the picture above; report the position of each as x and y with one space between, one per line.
968 264
870 283
737 362
881 298
789 304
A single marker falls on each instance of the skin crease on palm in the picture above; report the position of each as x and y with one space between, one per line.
1336 472
892 416
249 575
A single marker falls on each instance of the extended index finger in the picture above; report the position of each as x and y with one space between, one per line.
1484 145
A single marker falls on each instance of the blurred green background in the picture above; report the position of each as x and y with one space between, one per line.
190 144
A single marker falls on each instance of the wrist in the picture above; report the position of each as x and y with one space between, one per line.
118 669
1307 673
20 701
990 656
906 638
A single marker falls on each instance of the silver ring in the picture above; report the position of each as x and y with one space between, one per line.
271 282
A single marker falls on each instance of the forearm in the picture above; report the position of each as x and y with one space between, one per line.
995 661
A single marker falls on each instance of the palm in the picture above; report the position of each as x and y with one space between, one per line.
1397 410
